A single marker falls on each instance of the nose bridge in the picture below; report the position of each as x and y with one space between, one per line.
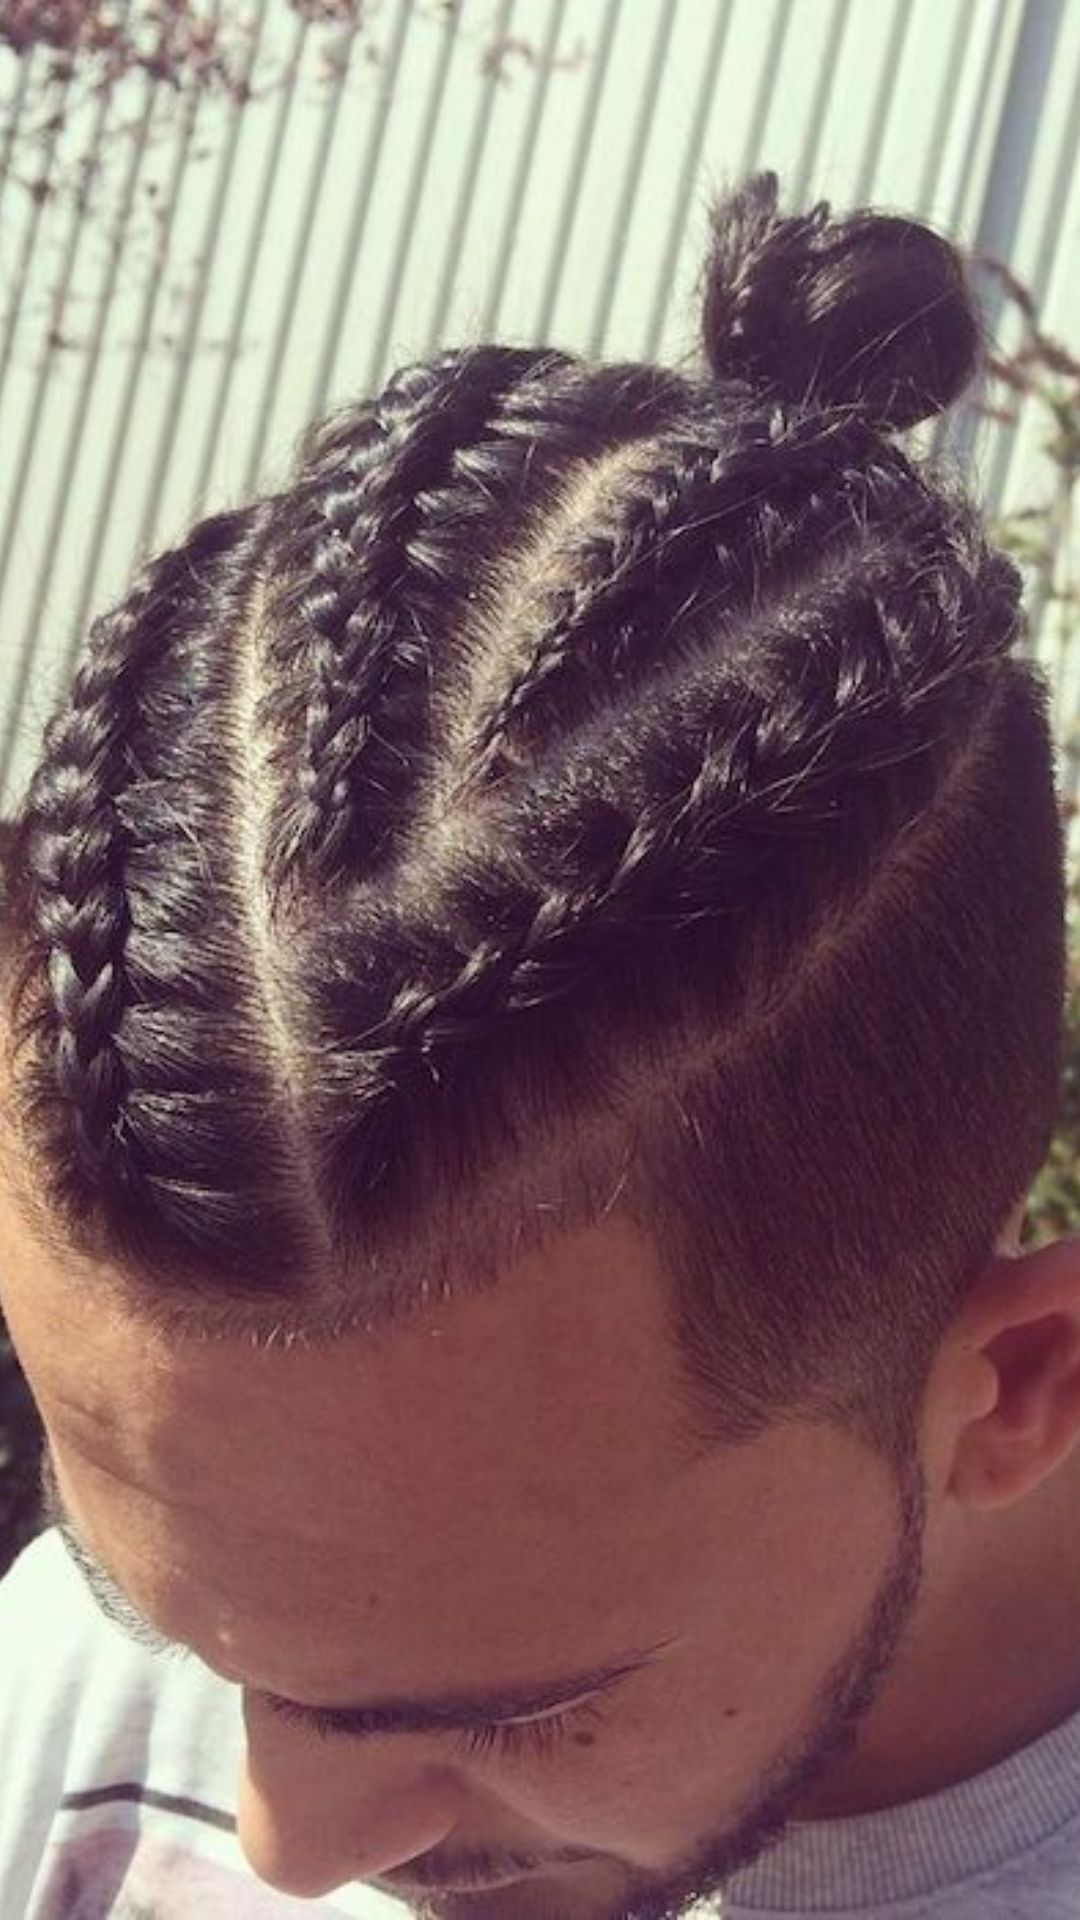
313 1814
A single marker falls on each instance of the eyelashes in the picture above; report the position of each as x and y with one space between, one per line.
533 1737
508 1738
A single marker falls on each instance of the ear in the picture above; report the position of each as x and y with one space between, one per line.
1019 1331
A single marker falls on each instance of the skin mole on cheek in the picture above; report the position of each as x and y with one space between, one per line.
584 1739
730 1712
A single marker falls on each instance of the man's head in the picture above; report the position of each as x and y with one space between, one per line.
583 787
589 801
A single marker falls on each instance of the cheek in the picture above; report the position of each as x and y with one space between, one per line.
750 1688
747 1680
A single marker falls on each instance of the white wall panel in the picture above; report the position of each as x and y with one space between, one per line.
236 269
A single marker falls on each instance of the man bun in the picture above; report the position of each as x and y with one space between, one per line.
871 311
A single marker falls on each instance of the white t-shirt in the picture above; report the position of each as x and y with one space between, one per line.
118 1773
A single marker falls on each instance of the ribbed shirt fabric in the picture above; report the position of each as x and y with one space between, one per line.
1004 1843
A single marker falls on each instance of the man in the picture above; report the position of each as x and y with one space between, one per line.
532 991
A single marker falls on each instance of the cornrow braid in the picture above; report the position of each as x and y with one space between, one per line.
848 677
693 508
388 497
68 864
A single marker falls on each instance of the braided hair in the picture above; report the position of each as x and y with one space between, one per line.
580 788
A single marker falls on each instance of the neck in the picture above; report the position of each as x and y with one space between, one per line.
991 1660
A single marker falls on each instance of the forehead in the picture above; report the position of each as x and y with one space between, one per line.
579 1327
526 1429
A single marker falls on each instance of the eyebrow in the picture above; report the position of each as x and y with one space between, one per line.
440 1714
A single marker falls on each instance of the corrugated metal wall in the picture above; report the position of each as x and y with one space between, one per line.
192 266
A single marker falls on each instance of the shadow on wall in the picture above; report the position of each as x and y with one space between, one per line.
20 1450
20 1428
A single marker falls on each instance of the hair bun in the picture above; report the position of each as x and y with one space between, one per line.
870 310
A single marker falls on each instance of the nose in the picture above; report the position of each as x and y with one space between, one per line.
305 1832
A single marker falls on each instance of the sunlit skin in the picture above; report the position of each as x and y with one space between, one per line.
502 1493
